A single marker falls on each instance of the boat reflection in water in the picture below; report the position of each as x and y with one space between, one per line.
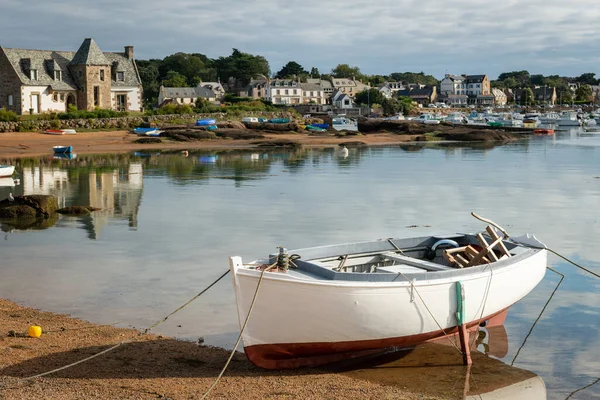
435 369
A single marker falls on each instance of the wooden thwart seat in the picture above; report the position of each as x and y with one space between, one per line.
468 256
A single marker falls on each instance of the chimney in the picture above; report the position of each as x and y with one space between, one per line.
129 52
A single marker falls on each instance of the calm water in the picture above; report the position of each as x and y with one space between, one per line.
169 223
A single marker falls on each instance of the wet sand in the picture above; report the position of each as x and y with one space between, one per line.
153 367
24 144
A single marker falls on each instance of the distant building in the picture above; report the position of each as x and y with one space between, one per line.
257 89
184 95
37 81
340 99
348 86
421 95
476 87
284 91
312 93
215 87
500 98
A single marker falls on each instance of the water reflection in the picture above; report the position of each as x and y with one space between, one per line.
434 369
168 223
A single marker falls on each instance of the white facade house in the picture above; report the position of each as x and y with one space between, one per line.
348 86
453 84
284 91
184 95
342 100
312 93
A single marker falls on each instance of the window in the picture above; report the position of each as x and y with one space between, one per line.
33 74
287 91
181 101
102 75
58 75
294 91
10 99
96 96
55 97
62 97
120 76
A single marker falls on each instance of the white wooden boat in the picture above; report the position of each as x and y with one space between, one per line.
6 170
569 119
345 299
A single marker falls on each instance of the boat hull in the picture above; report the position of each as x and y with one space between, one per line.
316 322
62 149
6 170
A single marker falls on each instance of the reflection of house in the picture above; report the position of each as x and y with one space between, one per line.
36 81
183 95
117 193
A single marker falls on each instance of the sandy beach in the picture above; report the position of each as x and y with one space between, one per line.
24 144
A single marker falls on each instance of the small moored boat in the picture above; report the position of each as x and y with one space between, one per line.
205 122
543 131
323 304
60 131
6 170
279 120
147 131
62 149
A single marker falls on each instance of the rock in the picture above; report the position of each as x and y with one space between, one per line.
148 140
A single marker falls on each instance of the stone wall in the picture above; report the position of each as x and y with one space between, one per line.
122 123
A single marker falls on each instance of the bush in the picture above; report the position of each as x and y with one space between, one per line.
74 113
8 116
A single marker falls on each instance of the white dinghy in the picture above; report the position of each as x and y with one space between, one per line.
322 304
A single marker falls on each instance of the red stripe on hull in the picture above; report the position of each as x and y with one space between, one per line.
297 355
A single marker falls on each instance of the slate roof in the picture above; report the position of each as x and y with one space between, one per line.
456 77
474 78
187 92
89 54
311 86
47 61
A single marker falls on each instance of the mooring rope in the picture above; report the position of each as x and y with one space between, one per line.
118 344
539 316
582 389
239 339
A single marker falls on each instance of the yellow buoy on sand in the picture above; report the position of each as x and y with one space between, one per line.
34 331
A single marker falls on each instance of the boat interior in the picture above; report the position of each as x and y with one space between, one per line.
389 259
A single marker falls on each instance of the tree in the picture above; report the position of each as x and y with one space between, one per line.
391 107
148 70
291 69
345 71
414 77
537 80
314 72
583 93
241 66
375 80
522 77
406 103
587 78
174 79
370 96
565 96
188 65
527 96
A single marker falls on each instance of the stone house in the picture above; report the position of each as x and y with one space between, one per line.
257 89
348 86
545 95
453 84
37 81
215 87
184 95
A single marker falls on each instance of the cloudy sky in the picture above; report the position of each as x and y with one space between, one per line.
384 36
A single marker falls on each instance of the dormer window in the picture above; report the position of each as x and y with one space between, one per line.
102 75
58 76
120 76
33 74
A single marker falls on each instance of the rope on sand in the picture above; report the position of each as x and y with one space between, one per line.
4 386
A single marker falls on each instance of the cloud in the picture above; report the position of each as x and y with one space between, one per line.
550 37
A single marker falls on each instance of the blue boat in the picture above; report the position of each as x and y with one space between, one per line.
147 131
205 122
279 120
322 126
208 159
63 149
211 127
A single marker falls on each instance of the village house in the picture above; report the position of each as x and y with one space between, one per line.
184 95
38 81
284 91
342 100
545 95
500 98
215 87
348 86
421 95
312 93
476 87
257 89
